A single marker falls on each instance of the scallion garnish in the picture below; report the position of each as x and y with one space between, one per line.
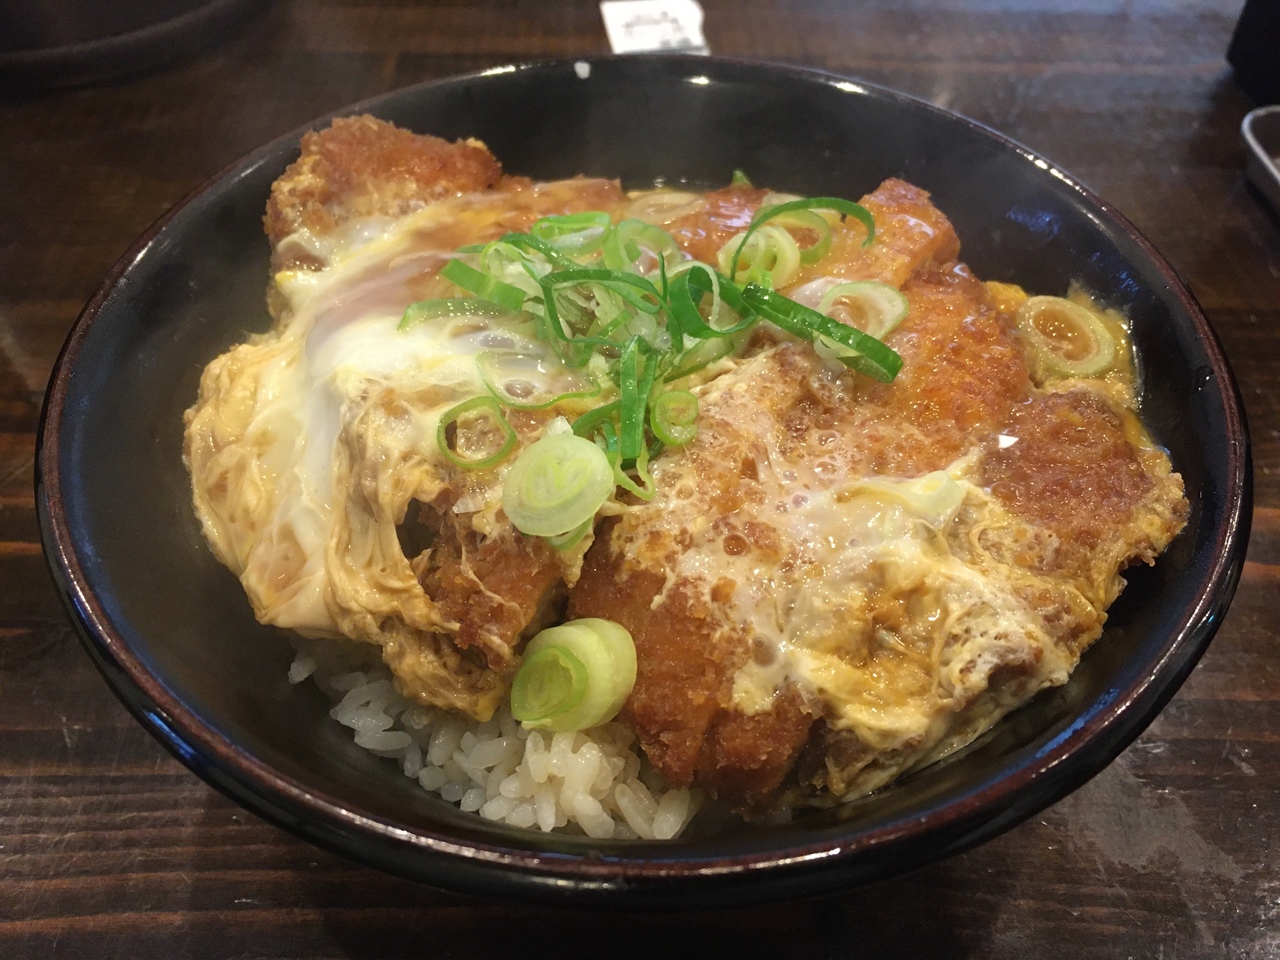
452 418
484 286
674 417
768 256
630 239
1066 339
868 355
575 234
631 428
628 318
765 214
879 306
557 483
574 676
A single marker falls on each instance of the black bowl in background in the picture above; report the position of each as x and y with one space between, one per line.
77 42
173 634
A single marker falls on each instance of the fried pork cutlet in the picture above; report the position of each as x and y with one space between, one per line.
836 581
365 167
308 517
786 612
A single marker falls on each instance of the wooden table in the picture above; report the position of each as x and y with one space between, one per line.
109 848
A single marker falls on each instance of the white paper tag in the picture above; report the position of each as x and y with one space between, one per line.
642 26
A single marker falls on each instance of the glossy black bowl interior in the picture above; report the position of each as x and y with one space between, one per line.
173 634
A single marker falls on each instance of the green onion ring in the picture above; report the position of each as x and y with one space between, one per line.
567 541
550 682
846 207
557 483
622 247
484 286
885 305
587 424
683 306
550 692
576 234
618 281
674 417
872 359
808 220
528 242
466 406
774 256
704 353
1048 350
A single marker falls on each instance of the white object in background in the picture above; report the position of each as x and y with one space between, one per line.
1261 132
642 26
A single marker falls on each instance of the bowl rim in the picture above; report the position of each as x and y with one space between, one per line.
637 874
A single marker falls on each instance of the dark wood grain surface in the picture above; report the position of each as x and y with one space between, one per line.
109 848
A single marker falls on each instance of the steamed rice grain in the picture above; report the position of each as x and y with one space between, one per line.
591 781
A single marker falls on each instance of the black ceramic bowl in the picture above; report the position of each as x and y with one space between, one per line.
173 634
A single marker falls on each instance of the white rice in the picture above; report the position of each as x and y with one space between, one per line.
592 781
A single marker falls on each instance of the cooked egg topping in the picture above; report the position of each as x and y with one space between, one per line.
308 443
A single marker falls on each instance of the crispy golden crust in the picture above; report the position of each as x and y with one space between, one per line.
495 590
362 166
1092 494
963 371
1078 496
681 707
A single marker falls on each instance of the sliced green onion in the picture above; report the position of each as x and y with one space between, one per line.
685 296
808 220
549 684
484 286
528 242
511 264
556 484
645 488
772 256
576 234
574 676
702 354
674 417
846 207
452 417
878 306
620 282
1067 339
590 422
588 289
631 426
740 179
871 357
567 541
424 310
630 238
